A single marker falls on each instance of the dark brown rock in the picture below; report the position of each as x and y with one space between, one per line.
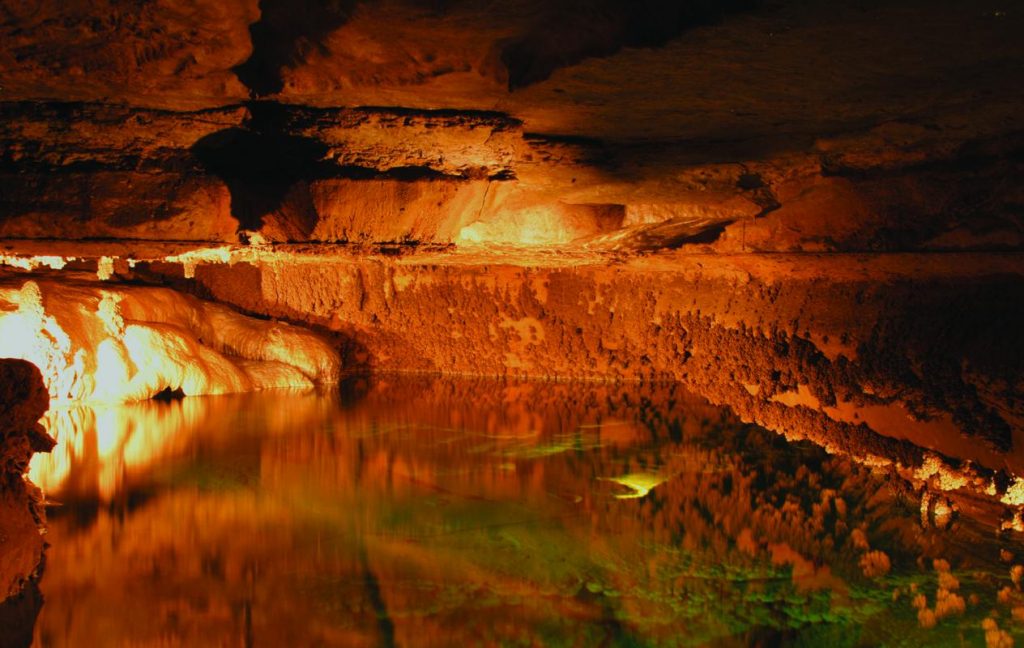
23 400
163 54
131 124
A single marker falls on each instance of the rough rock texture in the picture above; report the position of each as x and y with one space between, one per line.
118 344
85 170
900 345
843 348
809 210
756 126
23 400
164 53
884 357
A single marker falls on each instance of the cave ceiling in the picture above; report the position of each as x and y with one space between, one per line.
247 115
608 70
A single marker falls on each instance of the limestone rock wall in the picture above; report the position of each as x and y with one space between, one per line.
885 355
23 400
121 344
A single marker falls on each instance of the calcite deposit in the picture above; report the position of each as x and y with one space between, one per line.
117 344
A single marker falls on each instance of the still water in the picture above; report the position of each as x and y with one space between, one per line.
421 511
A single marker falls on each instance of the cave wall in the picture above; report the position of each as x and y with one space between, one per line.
875 356
810 211
388 175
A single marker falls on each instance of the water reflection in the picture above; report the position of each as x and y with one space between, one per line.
418 511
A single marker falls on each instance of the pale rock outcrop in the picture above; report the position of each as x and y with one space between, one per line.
119 343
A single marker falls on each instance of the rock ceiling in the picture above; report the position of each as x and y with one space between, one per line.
238 115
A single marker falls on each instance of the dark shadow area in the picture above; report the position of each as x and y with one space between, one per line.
168 395
566 33
266 168
286 31
385 626
974 380
79 513
260 162
18 616
353 388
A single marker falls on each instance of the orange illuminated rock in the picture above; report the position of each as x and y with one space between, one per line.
165 54
657 191
381 122
123 344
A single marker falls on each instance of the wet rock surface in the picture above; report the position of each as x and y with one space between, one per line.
892 358
853 349
95 342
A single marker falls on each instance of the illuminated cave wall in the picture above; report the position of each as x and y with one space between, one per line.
119 344
808 211
739 125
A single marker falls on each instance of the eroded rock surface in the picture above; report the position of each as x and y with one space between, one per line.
892 344
23 400
891 358
783 126
131 343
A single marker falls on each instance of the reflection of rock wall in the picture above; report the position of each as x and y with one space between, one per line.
104 448
23 399
445 505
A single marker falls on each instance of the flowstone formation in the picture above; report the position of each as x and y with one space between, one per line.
117 344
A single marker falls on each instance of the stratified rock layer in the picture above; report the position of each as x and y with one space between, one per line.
694 123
